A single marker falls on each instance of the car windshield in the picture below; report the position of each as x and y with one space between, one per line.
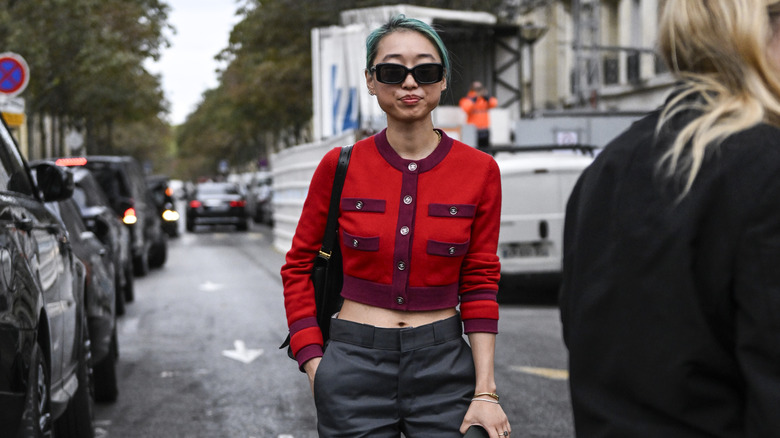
218 189
80 197
111 182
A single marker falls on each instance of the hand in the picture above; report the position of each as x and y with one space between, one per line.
488 415
310 367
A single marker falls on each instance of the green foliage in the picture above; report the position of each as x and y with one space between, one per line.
86 59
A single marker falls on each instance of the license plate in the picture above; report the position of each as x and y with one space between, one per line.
524 249
218 208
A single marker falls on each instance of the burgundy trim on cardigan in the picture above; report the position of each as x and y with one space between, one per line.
486 295
386 296
307 353
480 326
402 164
301 324
361 204
454 210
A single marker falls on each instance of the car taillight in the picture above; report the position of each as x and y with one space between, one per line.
238 203
195 203
129 217
168 191
71 161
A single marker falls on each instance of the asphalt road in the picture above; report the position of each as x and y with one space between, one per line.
199 351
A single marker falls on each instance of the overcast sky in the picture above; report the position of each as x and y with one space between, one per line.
188 66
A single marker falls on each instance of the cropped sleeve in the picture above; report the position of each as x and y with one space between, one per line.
306 339
481 268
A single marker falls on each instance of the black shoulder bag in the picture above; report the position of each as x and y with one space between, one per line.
327 275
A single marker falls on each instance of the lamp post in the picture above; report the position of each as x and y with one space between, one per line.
529 34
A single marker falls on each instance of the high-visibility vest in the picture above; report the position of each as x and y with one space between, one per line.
476 108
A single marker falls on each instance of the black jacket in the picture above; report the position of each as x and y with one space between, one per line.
671 310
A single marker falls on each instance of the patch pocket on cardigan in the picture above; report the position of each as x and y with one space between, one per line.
360 243
447 249
363 204
452 210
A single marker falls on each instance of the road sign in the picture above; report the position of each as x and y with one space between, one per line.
14 74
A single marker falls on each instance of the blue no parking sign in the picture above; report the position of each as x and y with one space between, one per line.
14 74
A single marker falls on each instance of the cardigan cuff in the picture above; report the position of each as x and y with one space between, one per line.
480 326
307 353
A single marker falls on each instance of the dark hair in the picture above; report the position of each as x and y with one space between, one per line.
401 22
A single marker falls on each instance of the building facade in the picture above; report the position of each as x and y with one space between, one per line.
595 55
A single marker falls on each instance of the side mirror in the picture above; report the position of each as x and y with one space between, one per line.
55 182
99 227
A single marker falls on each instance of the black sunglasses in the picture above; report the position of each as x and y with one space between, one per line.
396 73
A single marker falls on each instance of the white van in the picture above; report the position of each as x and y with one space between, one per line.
536 185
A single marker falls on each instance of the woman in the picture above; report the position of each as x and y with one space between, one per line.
418 229
671 295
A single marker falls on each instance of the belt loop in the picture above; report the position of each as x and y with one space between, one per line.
436 333
365 334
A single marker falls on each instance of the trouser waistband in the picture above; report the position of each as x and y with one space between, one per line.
397 339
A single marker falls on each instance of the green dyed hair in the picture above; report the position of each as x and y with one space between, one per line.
401 22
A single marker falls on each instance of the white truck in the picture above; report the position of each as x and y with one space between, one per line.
536 185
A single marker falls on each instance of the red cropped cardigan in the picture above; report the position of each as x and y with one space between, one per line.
414 235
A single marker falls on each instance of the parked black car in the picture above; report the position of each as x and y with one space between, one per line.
217 203
101 219
166 205
100 298
259 197
98 216
123 180
44 338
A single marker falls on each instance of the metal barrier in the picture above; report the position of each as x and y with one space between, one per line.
292 170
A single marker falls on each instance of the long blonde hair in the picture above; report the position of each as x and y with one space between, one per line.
719 51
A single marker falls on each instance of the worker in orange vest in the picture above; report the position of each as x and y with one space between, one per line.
476 105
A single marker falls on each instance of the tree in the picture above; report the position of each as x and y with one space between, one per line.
86 60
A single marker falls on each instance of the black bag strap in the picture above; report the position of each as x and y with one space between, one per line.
328 240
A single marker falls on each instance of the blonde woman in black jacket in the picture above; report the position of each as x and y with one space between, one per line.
671 296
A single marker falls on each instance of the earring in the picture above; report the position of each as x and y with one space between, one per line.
371 92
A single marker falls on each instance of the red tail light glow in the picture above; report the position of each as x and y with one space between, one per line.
71 161
195 203
240 203
129 217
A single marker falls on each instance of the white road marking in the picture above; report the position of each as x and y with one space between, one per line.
241 353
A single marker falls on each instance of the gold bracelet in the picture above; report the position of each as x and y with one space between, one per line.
492 395
485 400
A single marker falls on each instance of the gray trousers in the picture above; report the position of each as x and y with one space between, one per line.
379 382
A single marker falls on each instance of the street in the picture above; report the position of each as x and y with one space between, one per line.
199 351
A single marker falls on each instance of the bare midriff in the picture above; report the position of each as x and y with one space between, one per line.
388 318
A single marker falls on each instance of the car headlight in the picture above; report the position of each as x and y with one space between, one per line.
170 215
